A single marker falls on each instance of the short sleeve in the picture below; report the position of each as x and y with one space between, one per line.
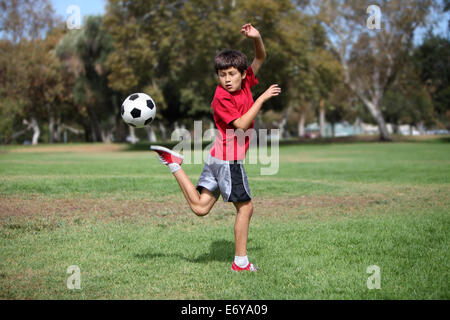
251 78
225 109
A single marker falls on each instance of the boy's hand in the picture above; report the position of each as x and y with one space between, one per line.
273 91
249 31
260 52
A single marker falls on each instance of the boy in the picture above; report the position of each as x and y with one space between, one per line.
234 109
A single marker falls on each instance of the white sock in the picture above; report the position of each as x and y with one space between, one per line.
241 262
174 167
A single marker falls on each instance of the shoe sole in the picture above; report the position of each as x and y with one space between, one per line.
159 148
256 269
237 271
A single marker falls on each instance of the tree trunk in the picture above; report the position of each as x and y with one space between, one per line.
372 107
163 131
375 111
421 127
86 131
384 133
151 134
51 129
132 137
378 117
259 124
301 124
36 131
57 136
322 117
209 135
95 127
107 136
21 132
281 126
93 132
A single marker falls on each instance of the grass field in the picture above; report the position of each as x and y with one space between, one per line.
330 212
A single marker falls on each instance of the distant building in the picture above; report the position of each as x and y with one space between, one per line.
345 129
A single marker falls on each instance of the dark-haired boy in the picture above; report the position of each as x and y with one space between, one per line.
233 109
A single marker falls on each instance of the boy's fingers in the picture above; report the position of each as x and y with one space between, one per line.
276 90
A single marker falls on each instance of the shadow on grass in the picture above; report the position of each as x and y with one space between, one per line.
220 250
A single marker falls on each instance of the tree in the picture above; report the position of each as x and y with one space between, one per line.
408 101
30 69
297 40
25 19
371 59
175 43
32 75
12 82
326 72
98 105
146 48
340 107
432 62
312 71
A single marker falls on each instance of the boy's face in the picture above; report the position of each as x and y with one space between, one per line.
231 79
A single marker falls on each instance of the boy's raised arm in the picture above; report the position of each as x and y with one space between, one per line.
260 52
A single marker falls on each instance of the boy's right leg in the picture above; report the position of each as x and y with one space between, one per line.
199 204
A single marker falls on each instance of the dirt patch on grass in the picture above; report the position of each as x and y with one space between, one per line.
83 148
311 159
79 210
40 162
85 208
311 201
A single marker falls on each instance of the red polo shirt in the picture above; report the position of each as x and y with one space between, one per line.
227 107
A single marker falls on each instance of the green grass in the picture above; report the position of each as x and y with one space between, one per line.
331 211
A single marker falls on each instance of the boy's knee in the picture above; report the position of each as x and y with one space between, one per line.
250 209
246 209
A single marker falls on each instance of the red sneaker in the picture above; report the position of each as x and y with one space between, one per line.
249 267
167 156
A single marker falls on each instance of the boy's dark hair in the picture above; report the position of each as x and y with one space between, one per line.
231 58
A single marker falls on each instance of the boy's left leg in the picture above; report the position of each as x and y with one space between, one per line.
241 226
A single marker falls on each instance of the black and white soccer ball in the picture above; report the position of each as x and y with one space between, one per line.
138 110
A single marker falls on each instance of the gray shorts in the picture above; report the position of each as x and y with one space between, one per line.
225 177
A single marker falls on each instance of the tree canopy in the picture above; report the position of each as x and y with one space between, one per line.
322 53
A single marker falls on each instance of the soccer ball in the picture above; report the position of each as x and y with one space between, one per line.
138 110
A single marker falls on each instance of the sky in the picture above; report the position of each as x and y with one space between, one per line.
87 7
